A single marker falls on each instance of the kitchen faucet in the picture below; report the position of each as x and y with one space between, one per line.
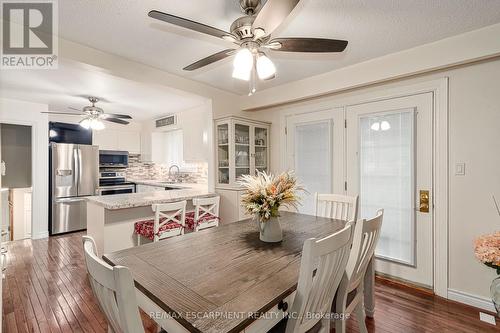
170 170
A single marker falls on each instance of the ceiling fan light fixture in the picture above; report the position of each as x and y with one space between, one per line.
85 123
97 125
265 67
243 75
243 60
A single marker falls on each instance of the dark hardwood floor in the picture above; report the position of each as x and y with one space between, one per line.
46 290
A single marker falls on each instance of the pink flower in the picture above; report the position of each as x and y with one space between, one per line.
487 249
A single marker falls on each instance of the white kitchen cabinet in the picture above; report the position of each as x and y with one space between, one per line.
105 139
230 209
195 127
242 148
113 139
140 188
129 141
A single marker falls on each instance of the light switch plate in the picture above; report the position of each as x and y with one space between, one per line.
460 169
487 318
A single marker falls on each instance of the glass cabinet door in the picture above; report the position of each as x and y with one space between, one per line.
261 149
223 153
241 150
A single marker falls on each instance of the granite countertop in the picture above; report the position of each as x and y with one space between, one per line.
159 183
121 201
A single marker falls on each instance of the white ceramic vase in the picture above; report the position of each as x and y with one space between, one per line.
270 230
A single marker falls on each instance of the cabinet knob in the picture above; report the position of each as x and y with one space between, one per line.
283 306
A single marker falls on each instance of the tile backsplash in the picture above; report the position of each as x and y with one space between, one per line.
189 172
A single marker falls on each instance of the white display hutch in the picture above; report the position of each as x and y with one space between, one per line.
242 148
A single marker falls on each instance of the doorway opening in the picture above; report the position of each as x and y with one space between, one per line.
17 183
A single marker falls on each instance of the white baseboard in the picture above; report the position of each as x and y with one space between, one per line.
472 300
43 234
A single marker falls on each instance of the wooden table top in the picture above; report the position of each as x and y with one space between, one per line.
225 270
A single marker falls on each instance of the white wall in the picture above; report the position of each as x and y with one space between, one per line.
25 113
474 139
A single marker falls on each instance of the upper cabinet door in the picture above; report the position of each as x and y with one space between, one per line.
129 141
241 150
110 139
261 147
223 153
106 139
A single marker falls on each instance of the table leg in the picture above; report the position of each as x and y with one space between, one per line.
369 289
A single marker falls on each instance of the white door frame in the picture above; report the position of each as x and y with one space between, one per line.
34 148
439 89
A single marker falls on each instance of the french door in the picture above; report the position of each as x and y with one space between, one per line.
384 155
315 145
389 164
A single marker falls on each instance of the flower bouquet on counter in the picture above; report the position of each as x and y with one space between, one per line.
264 195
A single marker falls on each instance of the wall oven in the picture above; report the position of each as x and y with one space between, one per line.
113 159
114 182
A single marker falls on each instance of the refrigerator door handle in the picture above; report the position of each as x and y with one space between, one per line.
79 169
76 168
70 200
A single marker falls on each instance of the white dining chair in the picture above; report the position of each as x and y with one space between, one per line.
114 289
169 221
205 215
336 206
366 235
321 268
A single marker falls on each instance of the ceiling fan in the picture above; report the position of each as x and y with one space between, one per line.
251 36
93 116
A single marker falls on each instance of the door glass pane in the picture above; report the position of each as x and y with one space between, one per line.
260 149
387 180
223 153
313 158
241 150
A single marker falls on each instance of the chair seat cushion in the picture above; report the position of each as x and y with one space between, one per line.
146 228
191 223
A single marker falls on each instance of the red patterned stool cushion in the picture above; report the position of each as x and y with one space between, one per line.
146 228
190 223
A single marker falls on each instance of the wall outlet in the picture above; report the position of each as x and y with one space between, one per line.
460 169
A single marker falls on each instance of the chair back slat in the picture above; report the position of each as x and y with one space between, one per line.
322 265
168 212
115 292
336 206
204 207
366 235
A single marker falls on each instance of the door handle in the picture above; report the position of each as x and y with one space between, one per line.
424 201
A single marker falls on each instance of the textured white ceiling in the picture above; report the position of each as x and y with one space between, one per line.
373 28
71 84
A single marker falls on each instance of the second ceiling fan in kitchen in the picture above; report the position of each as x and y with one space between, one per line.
94 115
251 36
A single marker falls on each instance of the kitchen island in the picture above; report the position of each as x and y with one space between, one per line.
111 218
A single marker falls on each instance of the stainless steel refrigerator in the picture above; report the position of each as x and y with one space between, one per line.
74 174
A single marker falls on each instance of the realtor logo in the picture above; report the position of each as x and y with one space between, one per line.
29 31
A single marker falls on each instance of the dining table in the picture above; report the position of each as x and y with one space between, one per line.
225 279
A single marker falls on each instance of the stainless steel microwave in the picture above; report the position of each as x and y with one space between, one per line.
113 159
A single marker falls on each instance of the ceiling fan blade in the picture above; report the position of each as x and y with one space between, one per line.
72 108
116 120
192 25
65 113
307 45
272 14
115 115
210 59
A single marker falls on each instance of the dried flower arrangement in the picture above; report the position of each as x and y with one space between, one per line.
487 247
265 193
487 250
